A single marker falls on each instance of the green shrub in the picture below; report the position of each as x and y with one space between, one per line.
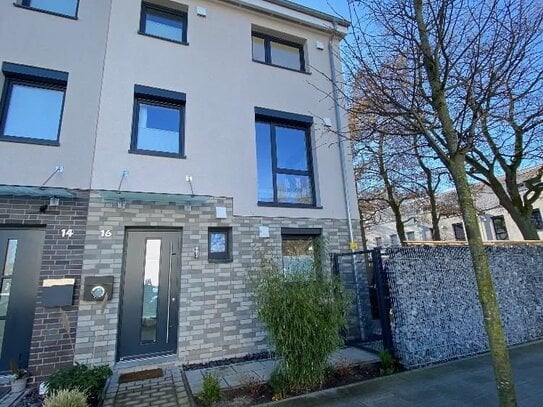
81 377
387 363
66 398
278 383
211 391
304 311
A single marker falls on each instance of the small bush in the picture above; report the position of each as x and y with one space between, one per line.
278 383
304 312
66 398
387 363
211 392
81 377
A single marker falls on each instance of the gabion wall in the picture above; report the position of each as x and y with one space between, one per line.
436 311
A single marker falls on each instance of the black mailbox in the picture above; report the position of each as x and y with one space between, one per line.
58 292
96 288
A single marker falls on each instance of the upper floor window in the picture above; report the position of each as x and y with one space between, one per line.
458 229
163 23
275 51
285 173
394 240
158 124
499 228
32 104
378 241
67 8
410 236
537 219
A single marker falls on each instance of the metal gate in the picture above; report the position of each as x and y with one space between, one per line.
362 274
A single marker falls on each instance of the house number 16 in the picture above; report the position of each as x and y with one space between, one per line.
106 233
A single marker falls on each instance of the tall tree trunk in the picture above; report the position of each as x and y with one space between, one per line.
436 234
400 229
455 160
487 294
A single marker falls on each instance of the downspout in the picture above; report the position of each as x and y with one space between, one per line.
346 190
341 139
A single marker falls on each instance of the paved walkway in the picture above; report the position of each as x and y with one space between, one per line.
166 391
468 382
236 375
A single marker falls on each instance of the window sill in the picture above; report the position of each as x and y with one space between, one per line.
162 38
27 140
217 261
288 205
282 67
46 12
157 154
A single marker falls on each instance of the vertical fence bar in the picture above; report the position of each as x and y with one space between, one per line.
383 299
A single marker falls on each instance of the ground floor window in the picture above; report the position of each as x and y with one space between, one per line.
500 229
300 248
459 233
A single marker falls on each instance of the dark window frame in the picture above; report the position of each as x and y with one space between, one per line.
27 5
161 98
31 77
176 14
294 121
267 51
220 257
304 234
502 219
457 227
536 218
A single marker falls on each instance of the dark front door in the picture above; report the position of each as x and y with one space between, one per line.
20 260
149 309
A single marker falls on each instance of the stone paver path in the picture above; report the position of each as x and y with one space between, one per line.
166 391
238 374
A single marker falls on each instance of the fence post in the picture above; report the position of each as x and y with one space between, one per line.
383 299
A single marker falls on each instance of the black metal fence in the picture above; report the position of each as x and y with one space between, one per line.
362 274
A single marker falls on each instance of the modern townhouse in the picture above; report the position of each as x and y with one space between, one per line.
150 153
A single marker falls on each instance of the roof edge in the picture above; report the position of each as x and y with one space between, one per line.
310 11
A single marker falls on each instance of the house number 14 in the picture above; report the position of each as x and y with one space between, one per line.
67 232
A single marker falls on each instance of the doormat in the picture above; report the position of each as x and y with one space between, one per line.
141 375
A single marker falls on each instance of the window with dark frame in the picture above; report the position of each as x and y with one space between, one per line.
500 229
410 236
285 171
299 249
32 104
278 52
458 229
163 23
220 244
67 8
158 123
537 219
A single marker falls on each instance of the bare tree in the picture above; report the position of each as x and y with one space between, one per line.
421 61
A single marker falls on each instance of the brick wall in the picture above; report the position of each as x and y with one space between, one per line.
51 347
216 315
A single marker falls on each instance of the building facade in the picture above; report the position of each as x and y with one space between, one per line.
494 221
150 152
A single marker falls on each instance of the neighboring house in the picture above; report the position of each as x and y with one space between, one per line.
494 221
154 151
